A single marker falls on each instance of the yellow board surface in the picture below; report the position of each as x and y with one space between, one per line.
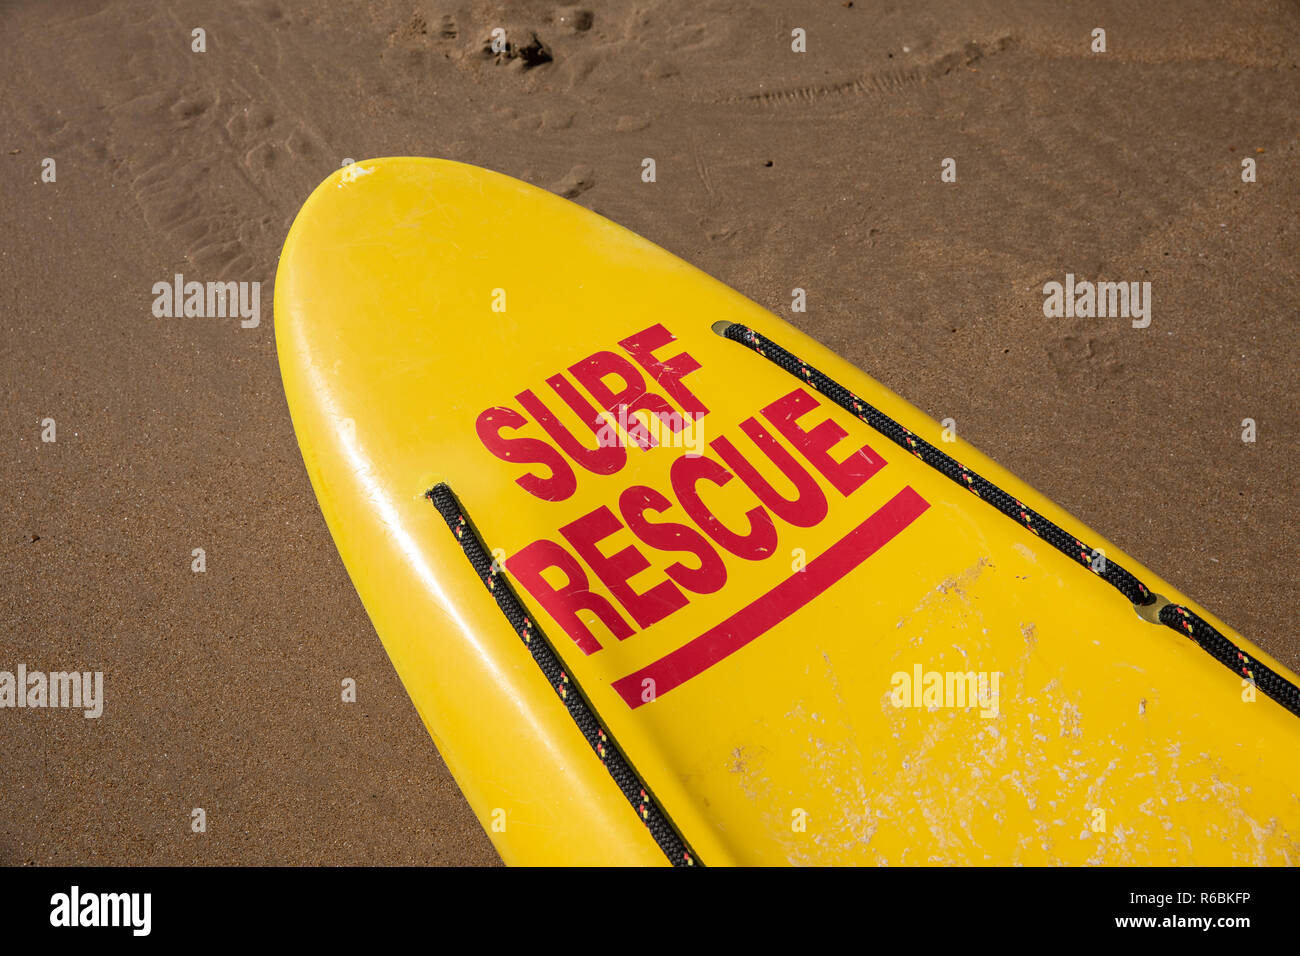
746 596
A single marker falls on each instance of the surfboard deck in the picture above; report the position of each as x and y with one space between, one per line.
751 589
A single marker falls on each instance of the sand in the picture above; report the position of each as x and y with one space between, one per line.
775 170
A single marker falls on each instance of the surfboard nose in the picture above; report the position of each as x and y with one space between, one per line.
772 632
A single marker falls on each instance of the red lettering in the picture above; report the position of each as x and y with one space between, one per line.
667 373
559 485
848 475
616 570
685 473
631 398
564 604
807 508
710 576
606 458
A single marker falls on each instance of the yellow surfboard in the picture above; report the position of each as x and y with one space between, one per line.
669 582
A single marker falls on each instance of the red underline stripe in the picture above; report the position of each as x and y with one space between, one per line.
769 610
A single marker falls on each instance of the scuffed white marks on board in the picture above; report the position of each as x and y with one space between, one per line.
352 173
834 763
1025 551
956 586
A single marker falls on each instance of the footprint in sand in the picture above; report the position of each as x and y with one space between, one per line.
525 48
577 19
578 181
1086 360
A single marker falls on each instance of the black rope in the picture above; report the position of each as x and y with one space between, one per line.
494 579
1273 684
1180 618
